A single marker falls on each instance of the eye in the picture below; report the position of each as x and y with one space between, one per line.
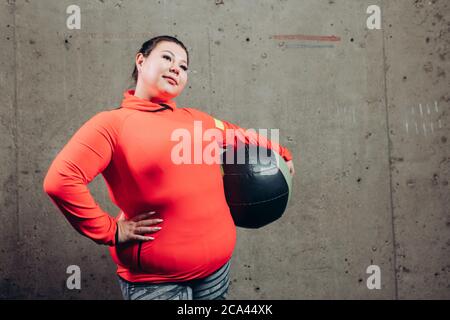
170 59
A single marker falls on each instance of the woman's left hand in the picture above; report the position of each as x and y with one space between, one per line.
290 165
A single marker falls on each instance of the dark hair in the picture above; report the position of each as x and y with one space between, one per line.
149 45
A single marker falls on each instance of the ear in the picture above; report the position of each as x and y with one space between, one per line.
139 61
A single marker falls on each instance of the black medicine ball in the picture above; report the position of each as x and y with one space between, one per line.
258 187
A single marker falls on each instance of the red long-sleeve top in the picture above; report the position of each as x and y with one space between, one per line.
132 147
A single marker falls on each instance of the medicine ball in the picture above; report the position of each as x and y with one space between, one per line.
257 187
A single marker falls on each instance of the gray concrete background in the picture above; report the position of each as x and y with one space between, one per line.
370 188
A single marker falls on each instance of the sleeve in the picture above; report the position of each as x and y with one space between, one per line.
249 137
86 155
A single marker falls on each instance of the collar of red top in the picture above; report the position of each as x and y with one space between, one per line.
130 101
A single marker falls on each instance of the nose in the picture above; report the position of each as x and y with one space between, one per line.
174 69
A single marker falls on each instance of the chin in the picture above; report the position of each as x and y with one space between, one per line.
167 95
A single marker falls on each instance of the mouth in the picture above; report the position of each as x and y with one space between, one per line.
171 80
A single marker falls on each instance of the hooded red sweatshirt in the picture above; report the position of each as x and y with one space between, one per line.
132 148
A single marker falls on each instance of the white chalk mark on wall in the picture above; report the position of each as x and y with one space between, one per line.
346 115
428 116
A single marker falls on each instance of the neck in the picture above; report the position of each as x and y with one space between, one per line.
140 93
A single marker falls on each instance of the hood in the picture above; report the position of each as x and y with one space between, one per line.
130 101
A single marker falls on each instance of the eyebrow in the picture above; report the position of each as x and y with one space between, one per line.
172 54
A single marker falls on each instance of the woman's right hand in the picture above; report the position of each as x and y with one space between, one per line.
136 227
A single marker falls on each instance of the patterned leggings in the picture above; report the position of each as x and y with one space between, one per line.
213 287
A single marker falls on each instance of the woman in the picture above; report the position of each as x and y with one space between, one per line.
174 236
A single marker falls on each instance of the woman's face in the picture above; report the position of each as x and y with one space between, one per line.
167 60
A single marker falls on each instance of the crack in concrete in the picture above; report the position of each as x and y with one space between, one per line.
390 164
15 126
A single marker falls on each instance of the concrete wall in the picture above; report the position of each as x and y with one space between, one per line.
365 114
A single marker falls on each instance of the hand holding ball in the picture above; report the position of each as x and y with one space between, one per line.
257 189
